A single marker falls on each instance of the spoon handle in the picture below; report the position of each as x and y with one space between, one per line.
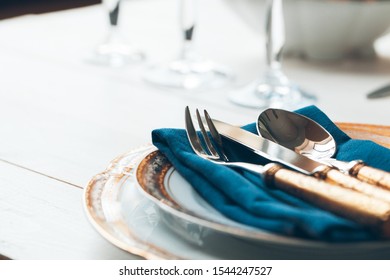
371 175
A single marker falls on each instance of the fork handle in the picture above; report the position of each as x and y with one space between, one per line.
371 175
363 209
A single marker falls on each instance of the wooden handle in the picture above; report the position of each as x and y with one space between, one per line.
371 175
344 202
336 177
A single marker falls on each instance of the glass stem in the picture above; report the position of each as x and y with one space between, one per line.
187 17
113 7
275 34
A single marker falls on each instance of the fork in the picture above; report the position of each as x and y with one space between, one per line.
350 204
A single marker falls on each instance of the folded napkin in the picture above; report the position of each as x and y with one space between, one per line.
242 196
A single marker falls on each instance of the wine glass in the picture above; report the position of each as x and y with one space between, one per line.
114 51
273 89
189 70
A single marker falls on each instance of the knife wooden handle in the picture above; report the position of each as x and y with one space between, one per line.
371 175
344 202
333 176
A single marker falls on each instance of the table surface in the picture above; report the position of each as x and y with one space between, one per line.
63 120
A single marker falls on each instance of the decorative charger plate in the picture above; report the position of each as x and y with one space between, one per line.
156 214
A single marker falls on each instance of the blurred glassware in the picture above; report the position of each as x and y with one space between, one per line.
273 89
190 70
325 29
114 51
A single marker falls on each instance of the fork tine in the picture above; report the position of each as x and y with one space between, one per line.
215 136
206 137
192 135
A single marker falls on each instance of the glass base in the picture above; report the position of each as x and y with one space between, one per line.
273 91
189 75
115 55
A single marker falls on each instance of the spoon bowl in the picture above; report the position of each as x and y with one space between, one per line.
296 132
308 138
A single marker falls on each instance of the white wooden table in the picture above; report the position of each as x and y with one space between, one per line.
63 120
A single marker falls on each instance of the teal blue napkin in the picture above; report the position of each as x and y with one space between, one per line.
243 196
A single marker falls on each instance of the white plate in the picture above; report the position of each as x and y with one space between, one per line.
177 199
181 225
129 220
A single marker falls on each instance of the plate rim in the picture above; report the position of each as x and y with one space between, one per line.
156 253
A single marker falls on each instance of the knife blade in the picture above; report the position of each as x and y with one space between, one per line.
268 149
284 156
379 93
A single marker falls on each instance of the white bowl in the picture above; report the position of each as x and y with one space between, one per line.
324 29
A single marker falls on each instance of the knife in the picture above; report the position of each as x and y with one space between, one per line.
379 93
286 157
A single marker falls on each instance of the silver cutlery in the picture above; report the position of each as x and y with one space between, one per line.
307 137
344 202
286 157
383 91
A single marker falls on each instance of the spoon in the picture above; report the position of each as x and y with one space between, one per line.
307 137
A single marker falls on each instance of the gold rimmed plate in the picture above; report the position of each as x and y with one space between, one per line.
159 215
128 219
